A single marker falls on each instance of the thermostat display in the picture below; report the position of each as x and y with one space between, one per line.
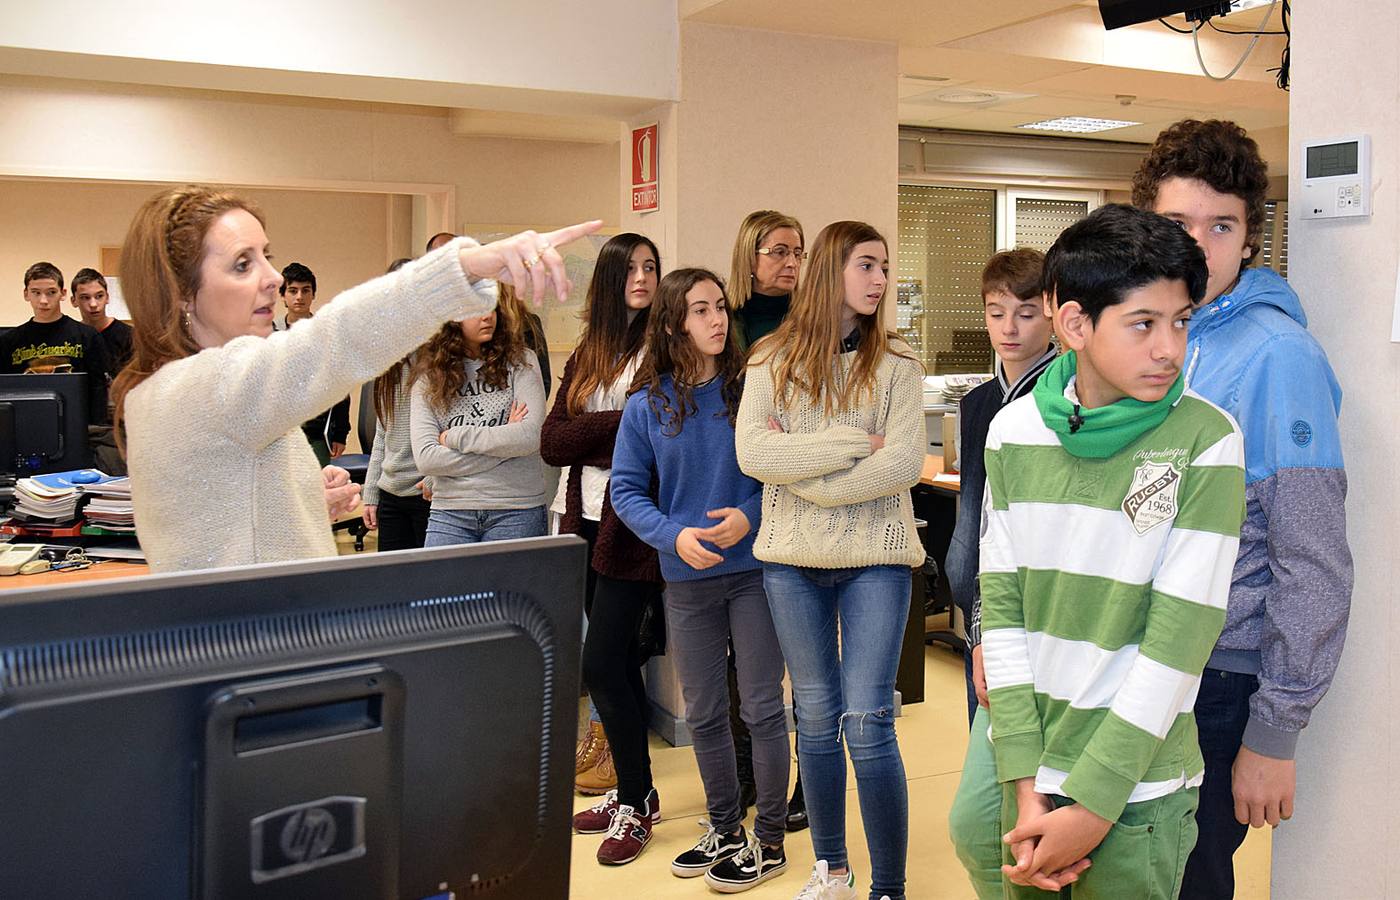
1337 178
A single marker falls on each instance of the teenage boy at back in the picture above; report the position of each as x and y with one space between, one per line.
1115 502
53 342
89 290
1291 594
1018 326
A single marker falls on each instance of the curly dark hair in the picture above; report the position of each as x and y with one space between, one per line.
442 360
669 351
1219 153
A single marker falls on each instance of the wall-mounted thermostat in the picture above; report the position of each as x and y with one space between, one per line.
1337 178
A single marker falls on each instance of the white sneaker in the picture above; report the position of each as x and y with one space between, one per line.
824 886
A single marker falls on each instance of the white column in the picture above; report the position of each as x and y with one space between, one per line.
1341 841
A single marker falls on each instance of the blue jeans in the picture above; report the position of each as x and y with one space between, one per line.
847 693
473 526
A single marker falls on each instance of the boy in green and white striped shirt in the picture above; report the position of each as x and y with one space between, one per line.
1116 497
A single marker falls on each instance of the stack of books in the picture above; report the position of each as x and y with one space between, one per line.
110 508
43 503
54 499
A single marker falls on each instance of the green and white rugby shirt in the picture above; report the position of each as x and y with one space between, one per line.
1104 584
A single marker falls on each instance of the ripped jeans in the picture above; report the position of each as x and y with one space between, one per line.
847 694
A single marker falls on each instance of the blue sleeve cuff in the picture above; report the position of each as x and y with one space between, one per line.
752 509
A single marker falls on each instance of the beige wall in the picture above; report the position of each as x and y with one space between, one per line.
57 128
419 51
805 125
1343 834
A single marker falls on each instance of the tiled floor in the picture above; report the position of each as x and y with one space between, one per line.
933 738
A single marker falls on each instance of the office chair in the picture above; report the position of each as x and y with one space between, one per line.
357 464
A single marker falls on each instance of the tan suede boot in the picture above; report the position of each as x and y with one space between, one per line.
586 754
602 777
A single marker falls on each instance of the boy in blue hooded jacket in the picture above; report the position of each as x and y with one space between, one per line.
1291 592
1290 596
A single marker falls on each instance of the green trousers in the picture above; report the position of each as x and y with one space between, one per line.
1142 858
974 823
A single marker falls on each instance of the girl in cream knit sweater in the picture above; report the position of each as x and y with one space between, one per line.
832 423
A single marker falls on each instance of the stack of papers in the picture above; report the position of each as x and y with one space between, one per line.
110 507
47 504
54 498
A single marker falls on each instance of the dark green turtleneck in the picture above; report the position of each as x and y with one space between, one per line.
762 314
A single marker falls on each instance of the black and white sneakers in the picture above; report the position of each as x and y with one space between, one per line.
748 868
712 848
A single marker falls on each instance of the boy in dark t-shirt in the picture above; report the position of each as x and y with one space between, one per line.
51 342
89 290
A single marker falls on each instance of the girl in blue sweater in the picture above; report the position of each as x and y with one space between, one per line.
676 484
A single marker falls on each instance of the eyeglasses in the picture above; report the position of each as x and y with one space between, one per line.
782 252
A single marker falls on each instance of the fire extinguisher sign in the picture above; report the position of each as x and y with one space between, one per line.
645 196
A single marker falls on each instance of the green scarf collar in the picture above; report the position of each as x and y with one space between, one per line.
1102 432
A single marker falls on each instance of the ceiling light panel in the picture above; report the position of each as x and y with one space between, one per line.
1077 125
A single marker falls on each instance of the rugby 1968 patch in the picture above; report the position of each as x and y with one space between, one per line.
1152 498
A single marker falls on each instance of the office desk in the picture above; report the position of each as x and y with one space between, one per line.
936 502
96 572
933 468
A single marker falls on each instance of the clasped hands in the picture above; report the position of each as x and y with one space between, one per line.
730 530
1051 846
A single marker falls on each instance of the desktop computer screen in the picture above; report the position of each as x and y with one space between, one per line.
395 726
43 424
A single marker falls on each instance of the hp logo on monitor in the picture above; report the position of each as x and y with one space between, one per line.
296 839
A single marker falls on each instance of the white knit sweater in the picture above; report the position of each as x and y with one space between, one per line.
221 474
828 502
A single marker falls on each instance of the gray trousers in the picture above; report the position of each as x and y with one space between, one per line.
701 617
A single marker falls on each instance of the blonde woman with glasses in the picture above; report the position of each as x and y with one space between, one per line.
763 274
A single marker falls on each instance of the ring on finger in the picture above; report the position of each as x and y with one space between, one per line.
530 263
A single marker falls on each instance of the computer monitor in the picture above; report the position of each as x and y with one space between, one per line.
394 726
43 424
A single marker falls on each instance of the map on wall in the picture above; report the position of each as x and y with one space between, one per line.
563 322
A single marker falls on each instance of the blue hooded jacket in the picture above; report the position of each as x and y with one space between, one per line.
1290 597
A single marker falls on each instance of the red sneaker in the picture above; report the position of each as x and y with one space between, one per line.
599 817
629 834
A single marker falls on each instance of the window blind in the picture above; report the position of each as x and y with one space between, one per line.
946 235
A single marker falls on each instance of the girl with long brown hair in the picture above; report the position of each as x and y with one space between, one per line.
475 411
624 575
212 400
676 483
832 423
